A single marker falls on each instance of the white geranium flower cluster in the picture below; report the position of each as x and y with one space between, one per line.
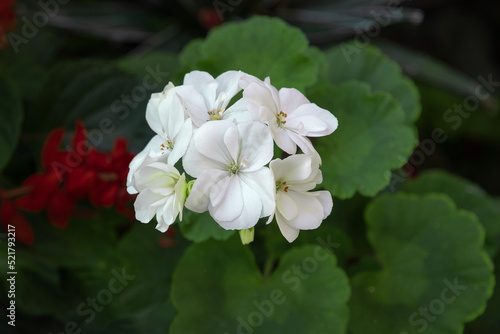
228 149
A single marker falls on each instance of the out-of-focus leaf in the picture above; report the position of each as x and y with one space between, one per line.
200 227
435 273
141 65
467 196
435 73
111 102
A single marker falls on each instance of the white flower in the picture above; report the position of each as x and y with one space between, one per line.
162 192
206 98
165 115
232 183
297 208
289 114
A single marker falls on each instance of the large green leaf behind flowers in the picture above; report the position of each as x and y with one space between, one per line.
260 46
370 65
372 138
217 288
435 274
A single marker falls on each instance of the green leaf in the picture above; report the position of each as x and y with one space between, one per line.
11 117
328 235
24 71
435 274
217 288
200 227
370 65
260 46
139 65
467 196
372 138
145 301
489 321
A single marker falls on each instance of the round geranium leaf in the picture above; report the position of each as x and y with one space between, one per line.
217 288
370 65
467 196
261 46
372 138
435 273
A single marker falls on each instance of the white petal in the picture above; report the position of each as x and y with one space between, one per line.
198 198
256 145
288 232
152 114
209 141
293 169
310 213
258 95
305 145
172 114
229 84
205 84
226 199
195 162
181 142
246 79
166 215
325 198
151 153
286 206
133 166
252 206
274 93
194 104
158 177
262 181
155 149
144 210
312 120
232 142
238 112
291 99
283 140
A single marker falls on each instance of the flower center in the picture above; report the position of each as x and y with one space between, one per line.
235 167
215 115
281 185
168 145
281 118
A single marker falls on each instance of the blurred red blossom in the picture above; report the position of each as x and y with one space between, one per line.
9 215
209 18
76 173
7 20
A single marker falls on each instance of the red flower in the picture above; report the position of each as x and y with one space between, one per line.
47 188
10 216
110 173
209 17
74 174
7 20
